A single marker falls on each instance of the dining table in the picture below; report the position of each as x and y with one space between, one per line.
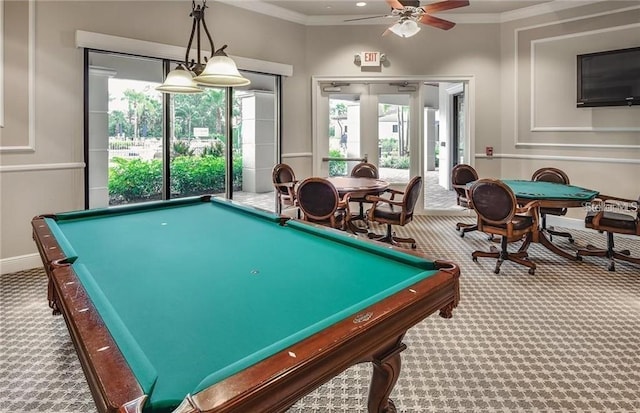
358 188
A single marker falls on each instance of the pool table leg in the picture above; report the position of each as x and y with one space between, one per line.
386 370
52 296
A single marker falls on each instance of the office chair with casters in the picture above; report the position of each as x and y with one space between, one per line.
614 216
461 175
499 214
320 203
390 211
363 170
552 175
284 182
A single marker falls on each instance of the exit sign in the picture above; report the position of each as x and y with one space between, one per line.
369 58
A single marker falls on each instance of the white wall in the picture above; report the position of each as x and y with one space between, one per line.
50 177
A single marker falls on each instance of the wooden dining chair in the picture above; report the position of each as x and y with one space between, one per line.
499 214
461 175
284 182
363 170
549 174
391 211
613 215
320 203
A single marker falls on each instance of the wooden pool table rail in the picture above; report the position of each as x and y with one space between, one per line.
272 385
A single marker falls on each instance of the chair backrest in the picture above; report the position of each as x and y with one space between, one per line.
282 173
318 199
462 174
550 175
410 199
411 195
365 170
493 201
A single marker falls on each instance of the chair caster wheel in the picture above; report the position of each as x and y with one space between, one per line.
462 235
612 267
532 271
413 246
496 271
571 240
474 259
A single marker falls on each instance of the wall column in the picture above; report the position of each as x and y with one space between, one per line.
99 136
258 141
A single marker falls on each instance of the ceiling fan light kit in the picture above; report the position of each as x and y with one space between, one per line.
410 13
218 71
405 28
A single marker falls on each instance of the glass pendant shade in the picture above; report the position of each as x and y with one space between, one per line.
221 71
179 80
406 28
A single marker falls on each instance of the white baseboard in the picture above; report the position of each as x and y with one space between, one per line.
20 263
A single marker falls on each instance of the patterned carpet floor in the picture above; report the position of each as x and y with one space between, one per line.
566 339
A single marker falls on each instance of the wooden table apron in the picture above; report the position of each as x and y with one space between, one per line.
570 197
358 187
373 334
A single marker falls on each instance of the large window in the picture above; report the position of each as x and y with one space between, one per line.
143 146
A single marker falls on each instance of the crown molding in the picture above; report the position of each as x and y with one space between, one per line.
261 7
258 6
537 10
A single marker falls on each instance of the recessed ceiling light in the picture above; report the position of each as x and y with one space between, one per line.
361 4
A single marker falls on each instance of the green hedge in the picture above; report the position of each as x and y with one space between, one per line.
337 168
395 162
135 180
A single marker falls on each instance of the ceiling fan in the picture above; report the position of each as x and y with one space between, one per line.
410 13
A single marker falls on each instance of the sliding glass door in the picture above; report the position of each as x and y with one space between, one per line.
142 146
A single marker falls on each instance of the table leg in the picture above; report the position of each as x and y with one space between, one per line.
386 370
542 239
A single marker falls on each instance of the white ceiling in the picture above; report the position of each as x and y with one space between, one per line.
314 12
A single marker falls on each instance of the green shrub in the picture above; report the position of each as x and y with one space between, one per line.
216 148
337 168
395 162
135 180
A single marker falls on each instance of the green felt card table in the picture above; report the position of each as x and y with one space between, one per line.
205 305
549 195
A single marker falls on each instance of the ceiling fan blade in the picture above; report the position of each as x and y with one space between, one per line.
436 22
395 4
445 5
366 18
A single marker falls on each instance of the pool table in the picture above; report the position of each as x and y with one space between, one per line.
206 305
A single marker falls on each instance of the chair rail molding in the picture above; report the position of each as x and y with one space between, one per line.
559 158
31 42
297 155
41 167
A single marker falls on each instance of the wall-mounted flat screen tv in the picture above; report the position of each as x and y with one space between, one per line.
610 78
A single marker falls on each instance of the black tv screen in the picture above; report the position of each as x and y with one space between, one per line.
610 78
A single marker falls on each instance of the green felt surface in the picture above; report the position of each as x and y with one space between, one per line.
549 190
206 289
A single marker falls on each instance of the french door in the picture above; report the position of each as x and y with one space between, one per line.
405 126
378 122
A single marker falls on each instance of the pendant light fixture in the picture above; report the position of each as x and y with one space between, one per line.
217 71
